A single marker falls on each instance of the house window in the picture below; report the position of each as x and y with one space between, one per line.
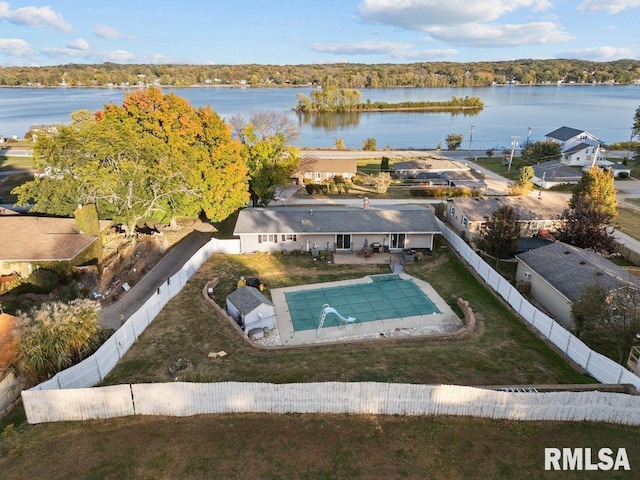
343 241
308 175
267 238
289 237
318 176
453 211
464 222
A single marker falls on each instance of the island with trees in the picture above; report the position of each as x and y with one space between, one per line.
332 99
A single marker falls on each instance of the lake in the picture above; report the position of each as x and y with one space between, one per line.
606 111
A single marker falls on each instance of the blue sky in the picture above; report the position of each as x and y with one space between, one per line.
301 31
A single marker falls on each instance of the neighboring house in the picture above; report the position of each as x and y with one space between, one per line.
558 273
552 173
579 148
618 170
251 309
336 228
538 215
28 240
412 168
322 169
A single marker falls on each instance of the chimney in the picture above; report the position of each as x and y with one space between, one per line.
365 202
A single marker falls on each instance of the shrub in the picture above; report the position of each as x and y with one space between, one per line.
41 280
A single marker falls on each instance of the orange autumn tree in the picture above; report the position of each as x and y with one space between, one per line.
153 157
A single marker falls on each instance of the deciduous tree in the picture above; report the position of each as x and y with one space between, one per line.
268 154
539 152
454 140
592 207
500 237
154 156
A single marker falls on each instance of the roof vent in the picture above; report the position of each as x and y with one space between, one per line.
567 252
582 262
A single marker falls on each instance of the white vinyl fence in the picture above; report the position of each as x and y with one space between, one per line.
185 399
600 367
48 401
92 370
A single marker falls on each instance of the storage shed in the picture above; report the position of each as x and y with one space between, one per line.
251 309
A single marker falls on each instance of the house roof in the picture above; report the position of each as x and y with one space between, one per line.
564 133
578 147
548 207
26 238
556 171
334 165
247 299
405 219
569 269
467 178
430 164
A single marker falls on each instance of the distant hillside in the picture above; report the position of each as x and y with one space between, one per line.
343 75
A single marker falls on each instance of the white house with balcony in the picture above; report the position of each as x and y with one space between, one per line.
579 148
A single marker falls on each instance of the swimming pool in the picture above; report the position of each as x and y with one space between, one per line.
385 297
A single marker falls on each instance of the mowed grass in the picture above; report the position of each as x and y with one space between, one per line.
306 447
501 351
16 163
628 221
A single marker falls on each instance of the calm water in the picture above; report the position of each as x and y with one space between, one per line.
605 111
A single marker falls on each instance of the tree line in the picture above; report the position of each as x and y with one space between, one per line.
344 75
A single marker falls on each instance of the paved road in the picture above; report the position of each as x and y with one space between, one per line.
175 258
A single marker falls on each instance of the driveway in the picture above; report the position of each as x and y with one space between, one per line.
114 314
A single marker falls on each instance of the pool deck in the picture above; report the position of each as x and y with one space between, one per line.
419 325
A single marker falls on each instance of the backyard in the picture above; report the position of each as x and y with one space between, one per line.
501 351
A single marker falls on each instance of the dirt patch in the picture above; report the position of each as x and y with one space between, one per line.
127 260
8 342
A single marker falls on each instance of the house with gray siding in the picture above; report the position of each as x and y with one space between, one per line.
558 273
340 229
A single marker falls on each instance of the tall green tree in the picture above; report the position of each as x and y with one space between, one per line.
524 183
592 207
539 152
271 159
154 156
500 237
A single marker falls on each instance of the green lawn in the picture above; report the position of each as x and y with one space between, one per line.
9 182
627 219
502 351
16 163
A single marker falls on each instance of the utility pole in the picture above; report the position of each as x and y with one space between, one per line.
514 142
529 130
634 132
541 184
471 130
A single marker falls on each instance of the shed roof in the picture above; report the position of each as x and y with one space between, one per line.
247 299
569 269
405 219
26 238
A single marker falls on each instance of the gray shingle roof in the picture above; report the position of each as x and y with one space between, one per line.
578 147
247 299
569 269
549 207
406 219
564 133
556 171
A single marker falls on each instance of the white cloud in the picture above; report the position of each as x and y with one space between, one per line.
479 35
110 33
394 50
602 54
79 44
14 47
609 6
116 56
422 14
34 17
